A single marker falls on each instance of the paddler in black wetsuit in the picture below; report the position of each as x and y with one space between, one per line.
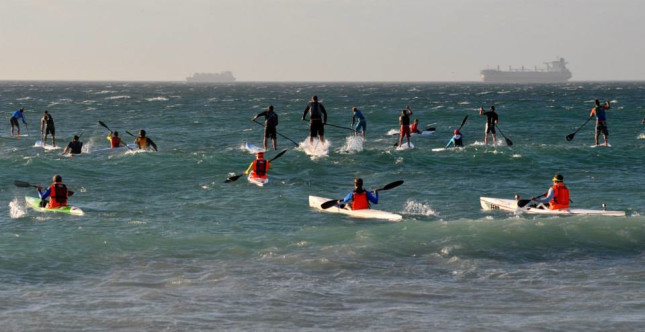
317 119
270 124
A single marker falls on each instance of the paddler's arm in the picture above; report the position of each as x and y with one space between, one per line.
304 114
43 195
373 197
248 170
346 199
546 199
452 141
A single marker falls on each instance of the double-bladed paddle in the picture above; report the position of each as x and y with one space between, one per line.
508 141
24 184
463 122
237 176
328 204
570 136
108 128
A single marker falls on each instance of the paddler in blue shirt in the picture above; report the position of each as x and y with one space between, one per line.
359 119
360 198
14 120
457 139
601 120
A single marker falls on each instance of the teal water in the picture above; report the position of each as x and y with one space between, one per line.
166 244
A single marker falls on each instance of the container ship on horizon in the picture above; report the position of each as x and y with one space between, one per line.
223 77
555 72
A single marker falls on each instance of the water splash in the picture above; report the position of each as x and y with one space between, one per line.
16 210
352 144
419 209
317 150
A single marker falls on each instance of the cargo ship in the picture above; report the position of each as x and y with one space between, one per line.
555 72
223 77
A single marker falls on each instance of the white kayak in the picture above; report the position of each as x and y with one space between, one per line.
110 150
252 148
315 202
510 205
257 181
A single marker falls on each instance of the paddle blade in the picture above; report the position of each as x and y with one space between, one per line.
233 178
329 204
22 184
570 136
391 185
509 142
104 125
463 122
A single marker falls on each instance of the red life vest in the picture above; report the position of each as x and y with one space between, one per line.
260 168
57 195
115 142
360 201
560 197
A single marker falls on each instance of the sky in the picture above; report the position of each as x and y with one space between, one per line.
317 40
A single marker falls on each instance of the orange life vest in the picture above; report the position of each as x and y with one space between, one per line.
260 168
142 142
360 201
560 197
57 195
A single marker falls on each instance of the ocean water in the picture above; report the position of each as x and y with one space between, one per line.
166 244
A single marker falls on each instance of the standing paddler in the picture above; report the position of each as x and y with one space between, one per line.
270 124
317 119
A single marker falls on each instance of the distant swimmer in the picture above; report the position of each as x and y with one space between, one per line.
358 122
270 124
317 119
457 139
601 120
143 142
14 120
47 127
491 120
74 147
115 140
404 122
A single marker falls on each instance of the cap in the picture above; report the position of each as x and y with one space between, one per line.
260 154
558 178
456 131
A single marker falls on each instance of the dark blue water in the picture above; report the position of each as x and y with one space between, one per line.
166 244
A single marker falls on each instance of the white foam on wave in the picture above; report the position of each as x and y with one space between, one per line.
419 209
16 210
317 150
118 97
352 144
157 99
641 136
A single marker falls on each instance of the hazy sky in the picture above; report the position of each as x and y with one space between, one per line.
317 40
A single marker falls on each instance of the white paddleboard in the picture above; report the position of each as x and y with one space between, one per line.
405 146
39 144
600 146
252 148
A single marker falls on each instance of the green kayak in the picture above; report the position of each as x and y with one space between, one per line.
34 203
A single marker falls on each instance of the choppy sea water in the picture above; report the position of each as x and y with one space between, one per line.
166 244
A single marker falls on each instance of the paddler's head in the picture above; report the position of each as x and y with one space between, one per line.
314 98
358 183
270 108
260 155
558 178
76 138
142 133
57 178
456 131
115 134
354 109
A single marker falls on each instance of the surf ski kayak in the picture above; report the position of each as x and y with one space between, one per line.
510 205
257 181
34 203
315 202
110 150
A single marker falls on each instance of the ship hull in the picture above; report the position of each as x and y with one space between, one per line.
497 76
